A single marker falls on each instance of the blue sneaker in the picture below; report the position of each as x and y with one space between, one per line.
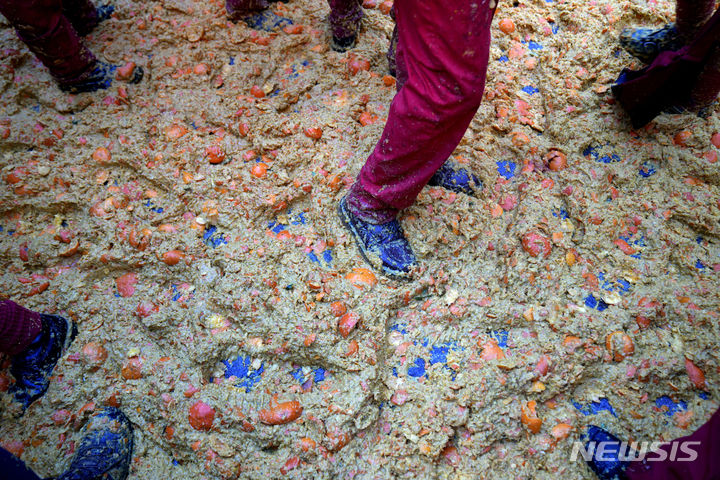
33 367
646 43
343 44
105 450
99 78
385 244
105 12
456 179
609 467
266 21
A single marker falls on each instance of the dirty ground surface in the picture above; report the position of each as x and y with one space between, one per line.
221 307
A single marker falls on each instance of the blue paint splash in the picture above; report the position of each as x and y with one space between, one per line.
417 369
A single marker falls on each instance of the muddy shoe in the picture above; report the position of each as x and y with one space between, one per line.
386 242
456 179
105 12
266 21
343 44
105 450
99 78
646 43
33 367
606 464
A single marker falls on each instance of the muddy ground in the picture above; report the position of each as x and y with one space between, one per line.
489 364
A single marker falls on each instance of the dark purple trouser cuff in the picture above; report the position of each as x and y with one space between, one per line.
48 28
18 327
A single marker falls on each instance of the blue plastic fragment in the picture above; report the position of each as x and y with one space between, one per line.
506 168
417 369
395 374
438 354
313 257
319 374
553 27
530 90
212 238
241 369
699 265
561 213
176 295
399 327
299 219
232 60
327 256
647 169
501 336
698 240
532 45
503 58
593 408
593 302
672 407
594 152
704 395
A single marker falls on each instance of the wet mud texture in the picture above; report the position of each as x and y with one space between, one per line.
220 305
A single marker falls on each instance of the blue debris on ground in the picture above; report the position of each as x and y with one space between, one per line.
593 408
213 238
241 368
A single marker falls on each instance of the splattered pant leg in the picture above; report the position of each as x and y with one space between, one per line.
239 8
48 33
444 47
18 327
706 466
345 17
82 15
13 467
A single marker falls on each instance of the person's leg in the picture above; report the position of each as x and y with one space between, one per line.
691 15
444 46
35 343
707 86
345 17
705 466
13 467
50 36
82 14
19 327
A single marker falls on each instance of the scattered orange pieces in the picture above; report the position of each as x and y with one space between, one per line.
492 351
682 137
529 418
172 257
347 323
561 431
125 72
361 277
126 284
281 413
697 377
201 416
259 170
313 132
619 345
132 369
536 244
507 26
257 92
556 160
215 154
101 155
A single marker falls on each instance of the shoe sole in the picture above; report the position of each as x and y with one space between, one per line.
344 218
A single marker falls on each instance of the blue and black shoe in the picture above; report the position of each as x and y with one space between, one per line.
609 466
456 179
343 44
33 367
105 450
105 12
383 244
99 78
647 43
266 21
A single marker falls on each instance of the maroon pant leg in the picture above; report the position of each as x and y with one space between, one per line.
18 327
690 15
50 36
237 9
705 467
82 14
345 17
444 47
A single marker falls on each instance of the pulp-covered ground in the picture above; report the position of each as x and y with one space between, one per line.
212 298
